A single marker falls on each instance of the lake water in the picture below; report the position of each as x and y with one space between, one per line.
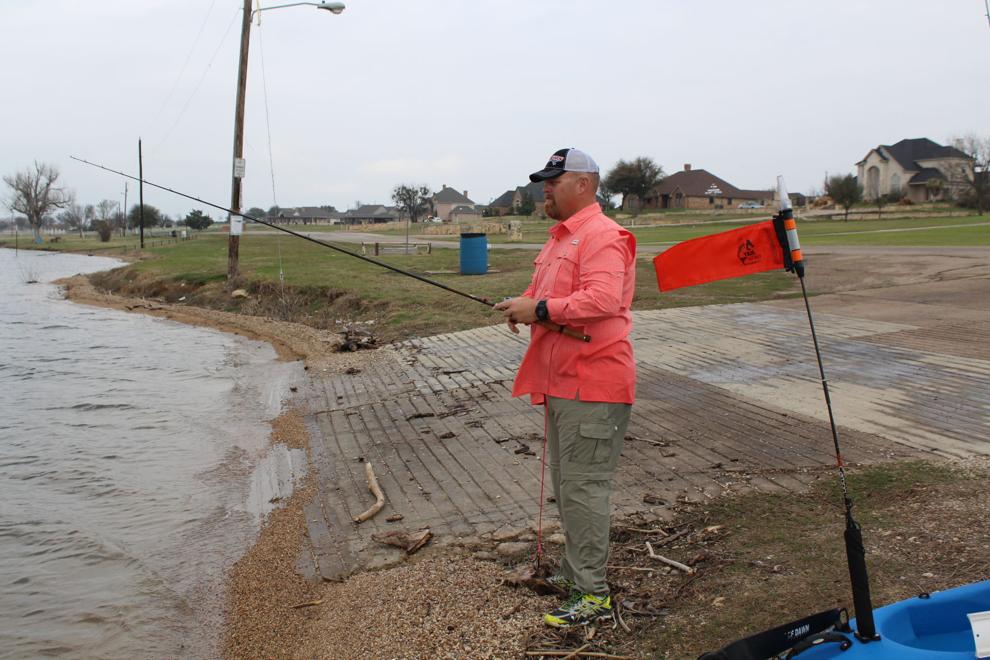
134 469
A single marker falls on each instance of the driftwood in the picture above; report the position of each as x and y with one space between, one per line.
670 562
376 491
411 542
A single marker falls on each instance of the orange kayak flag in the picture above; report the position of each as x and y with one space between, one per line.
733 253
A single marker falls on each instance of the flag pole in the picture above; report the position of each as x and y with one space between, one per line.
855 551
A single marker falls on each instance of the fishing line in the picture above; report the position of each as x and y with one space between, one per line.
426 280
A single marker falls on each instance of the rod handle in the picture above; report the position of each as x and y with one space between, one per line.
564 330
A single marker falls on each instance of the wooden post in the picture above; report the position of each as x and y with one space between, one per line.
234 242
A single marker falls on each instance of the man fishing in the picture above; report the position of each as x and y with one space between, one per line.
584 278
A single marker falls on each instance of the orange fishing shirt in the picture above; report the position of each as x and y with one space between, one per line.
586 271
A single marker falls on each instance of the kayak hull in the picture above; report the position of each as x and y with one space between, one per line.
931 627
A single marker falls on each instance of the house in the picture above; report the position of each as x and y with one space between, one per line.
502 205
919 169
465 213
308 215
533 190
446 199
701 190
371 214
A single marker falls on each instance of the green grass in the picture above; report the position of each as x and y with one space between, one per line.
326 285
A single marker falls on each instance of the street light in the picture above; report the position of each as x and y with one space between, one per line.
236 222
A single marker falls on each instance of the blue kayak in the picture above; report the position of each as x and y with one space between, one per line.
931 627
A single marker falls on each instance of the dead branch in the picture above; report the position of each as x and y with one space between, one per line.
376 491
311 603
619 620
673 537
670 562
639 530
576 652
563 653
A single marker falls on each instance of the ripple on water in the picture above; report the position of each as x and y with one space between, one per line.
126 482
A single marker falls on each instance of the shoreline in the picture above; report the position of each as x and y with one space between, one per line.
260 583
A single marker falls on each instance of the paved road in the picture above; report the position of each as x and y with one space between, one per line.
729 401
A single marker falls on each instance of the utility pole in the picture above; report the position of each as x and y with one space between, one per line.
141 192
123 214
234 238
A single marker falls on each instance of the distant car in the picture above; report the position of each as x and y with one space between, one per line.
751 205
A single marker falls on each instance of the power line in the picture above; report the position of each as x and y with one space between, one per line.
268 123
182 70
201 78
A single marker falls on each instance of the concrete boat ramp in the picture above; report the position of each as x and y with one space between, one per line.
729 401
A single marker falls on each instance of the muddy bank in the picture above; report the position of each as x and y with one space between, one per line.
291 341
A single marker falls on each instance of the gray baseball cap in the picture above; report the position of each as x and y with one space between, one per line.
565 160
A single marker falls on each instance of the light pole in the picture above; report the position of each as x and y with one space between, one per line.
236 222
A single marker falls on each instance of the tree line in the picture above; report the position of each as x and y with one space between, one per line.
37 194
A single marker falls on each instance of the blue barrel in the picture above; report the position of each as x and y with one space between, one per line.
474 254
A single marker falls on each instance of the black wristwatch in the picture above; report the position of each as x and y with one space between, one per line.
541 311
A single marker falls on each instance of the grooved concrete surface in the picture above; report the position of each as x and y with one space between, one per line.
729 400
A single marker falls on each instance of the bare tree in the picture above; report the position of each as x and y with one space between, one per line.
975 180
36 195
77 216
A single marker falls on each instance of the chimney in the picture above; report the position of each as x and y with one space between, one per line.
444 187
465 193
687 167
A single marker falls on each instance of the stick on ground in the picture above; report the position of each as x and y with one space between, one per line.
376 491
670 562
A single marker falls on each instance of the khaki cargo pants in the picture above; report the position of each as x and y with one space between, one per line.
584 440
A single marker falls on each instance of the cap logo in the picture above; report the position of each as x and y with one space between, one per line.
556 159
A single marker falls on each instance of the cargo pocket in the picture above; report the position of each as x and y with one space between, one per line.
595 445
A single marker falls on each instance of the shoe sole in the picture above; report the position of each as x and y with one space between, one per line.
583 623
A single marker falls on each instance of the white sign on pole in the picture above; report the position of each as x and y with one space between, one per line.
236 225
239 168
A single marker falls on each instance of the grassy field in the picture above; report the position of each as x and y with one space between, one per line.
938 231
322 287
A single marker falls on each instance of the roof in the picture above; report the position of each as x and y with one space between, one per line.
370 211
504 200
535 190
926 175
308 212
702 183
907 152
450 196
464 208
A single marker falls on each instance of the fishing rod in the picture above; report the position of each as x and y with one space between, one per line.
549 325
786 229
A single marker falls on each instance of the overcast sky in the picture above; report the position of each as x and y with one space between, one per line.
476 94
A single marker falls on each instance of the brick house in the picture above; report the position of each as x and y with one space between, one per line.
309 215
447 199
920 169
701 190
